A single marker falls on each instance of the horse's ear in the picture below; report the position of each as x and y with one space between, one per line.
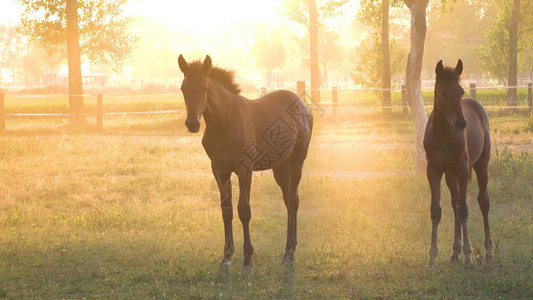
206 67
459 67
439 69
184 66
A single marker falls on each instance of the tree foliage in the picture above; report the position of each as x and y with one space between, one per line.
270 51
298 10
367 70
103 28
368 64
370 12
10 49
455 30
494 54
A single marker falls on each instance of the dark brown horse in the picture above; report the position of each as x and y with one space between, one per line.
242 136
457 139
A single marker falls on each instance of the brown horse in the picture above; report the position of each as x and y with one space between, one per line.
241 136
457 139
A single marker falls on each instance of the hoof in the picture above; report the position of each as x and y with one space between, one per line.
432 256
224 265
468 260
288 263
247 268
454 259
488 258
431 262
288 259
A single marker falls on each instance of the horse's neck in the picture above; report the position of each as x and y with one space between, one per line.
439 117
220 107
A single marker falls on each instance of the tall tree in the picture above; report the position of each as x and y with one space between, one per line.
456 30
509 42
376 15
385 53
75 83
313 51
11 45
95 28
270 52
412 76
512 79
367 67
311 15
331 52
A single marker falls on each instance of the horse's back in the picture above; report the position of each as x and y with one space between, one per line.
283 125
285 105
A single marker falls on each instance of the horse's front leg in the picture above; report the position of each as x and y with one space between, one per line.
453 186
434 176
224 185
245 214
463 174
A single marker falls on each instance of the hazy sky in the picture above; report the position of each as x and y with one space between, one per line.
189 16
9 11
203 15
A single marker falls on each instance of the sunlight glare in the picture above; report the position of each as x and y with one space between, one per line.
203 16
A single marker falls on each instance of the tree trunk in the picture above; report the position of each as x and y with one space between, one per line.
75 87
513 54
412 77
313 41
385 53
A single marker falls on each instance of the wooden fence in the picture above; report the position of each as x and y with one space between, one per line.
334 106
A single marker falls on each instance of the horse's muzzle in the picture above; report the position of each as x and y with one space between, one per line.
193 125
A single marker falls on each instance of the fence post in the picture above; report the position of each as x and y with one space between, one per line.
404 100
334 100
99 112
530 96
2 115
300 90
473 93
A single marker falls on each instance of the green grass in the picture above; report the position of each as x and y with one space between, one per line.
133 212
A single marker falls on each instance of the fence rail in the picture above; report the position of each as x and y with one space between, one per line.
333 105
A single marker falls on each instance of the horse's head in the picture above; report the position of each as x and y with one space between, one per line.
194 88
448 95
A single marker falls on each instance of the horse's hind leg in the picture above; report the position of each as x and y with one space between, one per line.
224 185
288 177
245 214
483 199
451 182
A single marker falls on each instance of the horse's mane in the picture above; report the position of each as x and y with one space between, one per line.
449 74
223 76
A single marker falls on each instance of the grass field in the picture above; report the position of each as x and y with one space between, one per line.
133 212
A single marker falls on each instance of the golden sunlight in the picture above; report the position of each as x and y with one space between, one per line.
204 16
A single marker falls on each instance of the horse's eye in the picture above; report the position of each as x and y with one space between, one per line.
444 94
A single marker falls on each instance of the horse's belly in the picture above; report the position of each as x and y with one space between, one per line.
260 156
